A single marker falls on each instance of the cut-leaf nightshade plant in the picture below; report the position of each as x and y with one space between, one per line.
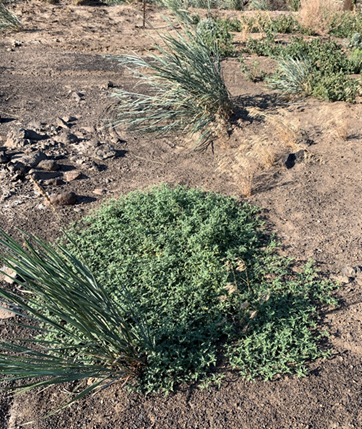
177 278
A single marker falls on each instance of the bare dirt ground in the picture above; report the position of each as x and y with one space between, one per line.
55 69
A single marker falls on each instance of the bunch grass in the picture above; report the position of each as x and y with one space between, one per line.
184 91
8 20
82 334
293 76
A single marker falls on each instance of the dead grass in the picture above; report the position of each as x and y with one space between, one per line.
338 124
259 151
319 15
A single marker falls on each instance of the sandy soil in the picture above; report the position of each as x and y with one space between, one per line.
54 69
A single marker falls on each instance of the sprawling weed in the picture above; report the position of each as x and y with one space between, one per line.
179 276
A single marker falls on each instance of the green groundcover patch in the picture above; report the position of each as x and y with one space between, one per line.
209 283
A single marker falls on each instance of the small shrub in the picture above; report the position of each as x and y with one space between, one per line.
229 24
252 73
199 267
328 67
346 24
259 5
355 60
294 5
8 20
216 37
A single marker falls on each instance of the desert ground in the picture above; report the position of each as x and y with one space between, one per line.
56 81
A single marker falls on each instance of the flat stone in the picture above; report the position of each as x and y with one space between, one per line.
43 175
53 182
69 118
62 123
27 161
341 279
63 199
48 165
105 151
350 271
72 175
99 191
8 275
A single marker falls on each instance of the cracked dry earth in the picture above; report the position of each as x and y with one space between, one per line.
55 82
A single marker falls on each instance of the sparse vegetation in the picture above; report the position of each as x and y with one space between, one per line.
216 37
316 68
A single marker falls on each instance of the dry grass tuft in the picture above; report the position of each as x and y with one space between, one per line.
319 15
259 151
338 125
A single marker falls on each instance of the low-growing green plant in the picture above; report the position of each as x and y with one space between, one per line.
8 20
216 37
259 5
229 24
294 5
85 334
346 24
252 73
355 59
328 67
184 91
176 278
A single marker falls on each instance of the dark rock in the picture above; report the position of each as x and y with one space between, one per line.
63 199
53 182
293 158
105 151
43 175
27 161
48 165
4 159
67 137
19 137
